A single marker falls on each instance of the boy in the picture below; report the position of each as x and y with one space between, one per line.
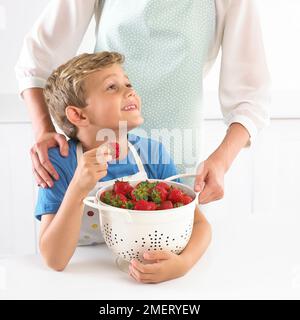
88 95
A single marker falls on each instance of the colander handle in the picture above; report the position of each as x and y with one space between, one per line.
184 175
90 201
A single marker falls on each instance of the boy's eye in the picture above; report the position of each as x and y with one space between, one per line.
113 86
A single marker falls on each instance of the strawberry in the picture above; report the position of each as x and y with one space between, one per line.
165 205
141 191
106 197
129 204
119 200
145 205
186 199
158 194
122 187
175 195
163 185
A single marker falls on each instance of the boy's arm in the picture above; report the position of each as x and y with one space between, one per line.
167 265
199 241
60 232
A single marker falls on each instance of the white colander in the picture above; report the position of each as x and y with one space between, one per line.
129 233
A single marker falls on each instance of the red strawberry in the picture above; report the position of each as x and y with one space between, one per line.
175 195
186 199
119 200
165 205
158 194
163 185
122 187
144 205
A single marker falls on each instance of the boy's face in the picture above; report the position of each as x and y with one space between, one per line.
111 98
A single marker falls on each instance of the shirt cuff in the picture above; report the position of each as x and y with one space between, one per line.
30 82
248 124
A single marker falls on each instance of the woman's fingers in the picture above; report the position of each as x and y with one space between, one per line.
211 192
63 144
38 179
40 170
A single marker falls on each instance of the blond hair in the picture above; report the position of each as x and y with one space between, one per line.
65 86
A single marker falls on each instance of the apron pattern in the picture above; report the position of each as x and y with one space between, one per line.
165 44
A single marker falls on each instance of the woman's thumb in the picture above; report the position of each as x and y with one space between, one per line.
199 180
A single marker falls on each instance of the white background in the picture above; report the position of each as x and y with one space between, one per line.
263 182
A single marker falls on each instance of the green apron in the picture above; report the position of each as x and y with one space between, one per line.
165 43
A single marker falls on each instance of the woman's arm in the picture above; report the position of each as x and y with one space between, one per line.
244 88
54 39
45 137
38 111
211 172
244 95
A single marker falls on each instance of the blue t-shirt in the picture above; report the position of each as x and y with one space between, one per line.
156 160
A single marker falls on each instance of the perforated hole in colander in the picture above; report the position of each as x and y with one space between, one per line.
152 242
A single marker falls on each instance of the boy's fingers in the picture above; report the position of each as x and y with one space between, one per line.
103 158
101 149
101 167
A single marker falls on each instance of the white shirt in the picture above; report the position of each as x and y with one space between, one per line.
244 76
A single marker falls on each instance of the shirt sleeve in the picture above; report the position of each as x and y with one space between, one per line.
50 199
244 78
53 39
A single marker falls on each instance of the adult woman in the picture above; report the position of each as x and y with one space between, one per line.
169 46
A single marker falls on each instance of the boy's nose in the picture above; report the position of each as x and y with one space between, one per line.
131 92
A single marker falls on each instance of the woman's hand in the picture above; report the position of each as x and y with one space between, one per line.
210 179
164 266
211 172
43 170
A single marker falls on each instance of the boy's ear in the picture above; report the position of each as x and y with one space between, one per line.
76 116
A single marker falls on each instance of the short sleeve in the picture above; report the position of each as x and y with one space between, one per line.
50 199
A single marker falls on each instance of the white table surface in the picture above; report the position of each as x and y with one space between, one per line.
252 258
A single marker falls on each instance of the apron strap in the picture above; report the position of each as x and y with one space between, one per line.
137 158
79 151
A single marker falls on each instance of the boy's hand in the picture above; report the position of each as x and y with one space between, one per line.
165 266
91 168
